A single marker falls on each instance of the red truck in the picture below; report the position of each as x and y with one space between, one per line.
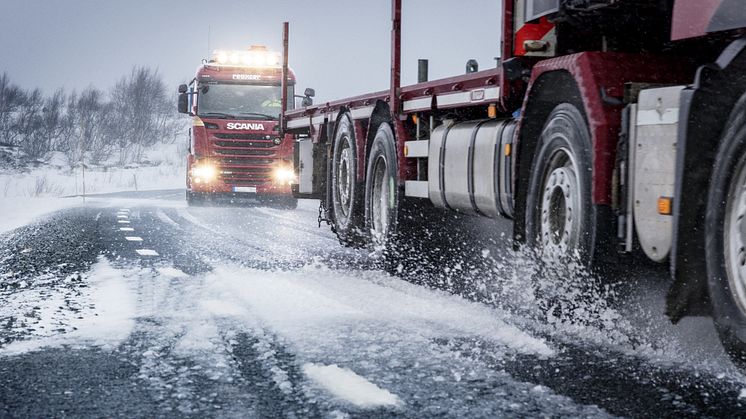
607 127
236 148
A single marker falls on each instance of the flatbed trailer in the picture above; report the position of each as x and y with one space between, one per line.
609 127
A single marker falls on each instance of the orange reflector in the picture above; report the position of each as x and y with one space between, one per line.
492 111
507 149
414 118
664 205
406 151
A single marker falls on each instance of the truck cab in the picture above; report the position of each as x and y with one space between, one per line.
236 149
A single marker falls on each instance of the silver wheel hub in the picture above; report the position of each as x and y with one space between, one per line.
344 179
560 209
381 201
734 238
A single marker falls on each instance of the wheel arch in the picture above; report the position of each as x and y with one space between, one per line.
381 114
545 93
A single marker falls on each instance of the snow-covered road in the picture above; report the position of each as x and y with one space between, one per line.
136 305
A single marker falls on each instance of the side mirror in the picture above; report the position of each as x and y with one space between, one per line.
183 88
183 103
472 66
309 92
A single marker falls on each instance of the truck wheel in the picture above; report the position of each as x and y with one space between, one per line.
195 199
381 189
560 220
346 196
725 236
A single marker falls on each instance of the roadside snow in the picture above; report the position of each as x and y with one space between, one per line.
51 181
17 212
346 385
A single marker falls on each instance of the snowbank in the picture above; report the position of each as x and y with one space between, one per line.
165 170
20 211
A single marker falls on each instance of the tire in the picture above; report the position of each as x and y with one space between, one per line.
725 238
195 199
561 222
382 190
347 213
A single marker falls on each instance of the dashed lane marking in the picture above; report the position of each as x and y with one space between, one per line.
123 222
123 216
133 238
146 252
126 229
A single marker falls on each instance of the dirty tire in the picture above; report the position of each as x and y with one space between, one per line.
561 222
347 212
725 237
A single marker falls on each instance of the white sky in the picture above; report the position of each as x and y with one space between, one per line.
339 47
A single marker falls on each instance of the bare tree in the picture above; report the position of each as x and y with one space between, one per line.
28 125
143 111
11 98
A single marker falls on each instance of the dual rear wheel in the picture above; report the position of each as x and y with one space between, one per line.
364 212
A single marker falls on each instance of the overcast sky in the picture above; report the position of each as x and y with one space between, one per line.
339 47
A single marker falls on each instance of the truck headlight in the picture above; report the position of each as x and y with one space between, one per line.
204 173
283 175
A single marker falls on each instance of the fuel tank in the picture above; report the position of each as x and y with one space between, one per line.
470 167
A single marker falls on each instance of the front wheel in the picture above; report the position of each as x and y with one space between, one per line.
725 236
381 189
195 199
560 221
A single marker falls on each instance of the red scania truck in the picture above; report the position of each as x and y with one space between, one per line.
607 127
236 148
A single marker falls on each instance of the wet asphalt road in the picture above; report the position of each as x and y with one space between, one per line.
226 312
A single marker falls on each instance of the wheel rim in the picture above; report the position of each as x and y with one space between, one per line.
734 237
344 178
561 208
380 197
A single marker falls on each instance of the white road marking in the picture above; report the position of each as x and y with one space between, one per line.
146 252
122 216
98 216
124 210
123 222
133 238
126 229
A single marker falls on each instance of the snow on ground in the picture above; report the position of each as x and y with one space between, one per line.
46 182
57 178
20 211
347 385
100 314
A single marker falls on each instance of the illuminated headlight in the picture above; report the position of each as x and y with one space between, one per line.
204 173
283 175
277 140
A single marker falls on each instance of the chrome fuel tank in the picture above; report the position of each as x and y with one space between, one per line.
470 167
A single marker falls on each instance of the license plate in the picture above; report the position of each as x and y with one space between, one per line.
250 189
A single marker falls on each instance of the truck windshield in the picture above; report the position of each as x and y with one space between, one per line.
240 101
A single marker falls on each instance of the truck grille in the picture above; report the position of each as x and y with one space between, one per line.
245 159
246 176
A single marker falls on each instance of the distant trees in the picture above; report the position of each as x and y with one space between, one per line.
90 126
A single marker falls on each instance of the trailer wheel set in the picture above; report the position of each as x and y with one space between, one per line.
595 146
